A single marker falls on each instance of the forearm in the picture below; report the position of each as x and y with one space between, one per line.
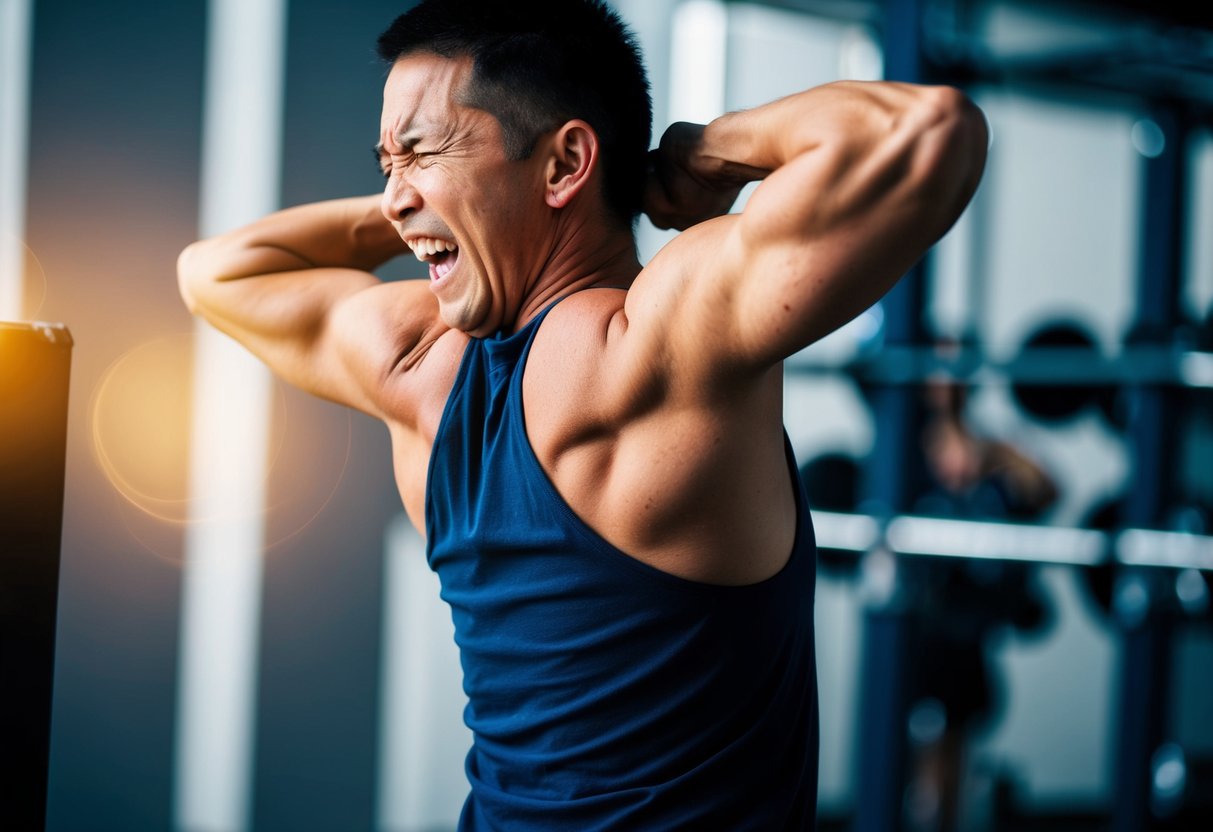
870 135
851 117
346 233
274 284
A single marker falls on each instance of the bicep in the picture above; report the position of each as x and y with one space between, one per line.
821 239
334 333
826 236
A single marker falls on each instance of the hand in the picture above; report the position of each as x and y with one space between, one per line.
686 186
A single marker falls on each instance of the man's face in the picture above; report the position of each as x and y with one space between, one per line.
472 214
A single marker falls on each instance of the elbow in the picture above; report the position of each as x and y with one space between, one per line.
974 138
964 136
190 275
951 149
946 104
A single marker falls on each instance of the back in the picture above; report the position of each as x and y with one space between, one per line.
605 693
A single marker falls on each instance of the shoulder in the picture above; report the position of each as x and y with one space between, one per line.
574 340
587 314
393 342
654 299
572 386
630 347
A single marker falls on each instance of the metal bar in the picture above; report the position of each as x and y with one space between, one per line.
997 541
892 476
984 540
1176 64
881 747
1143 547
1144 692
846 532
1060 366
1164 197
1146 655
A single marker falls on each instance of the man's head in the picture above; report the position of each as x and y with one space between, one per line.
537 64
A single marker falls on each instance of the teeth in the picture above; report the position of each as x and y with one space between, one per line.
424 247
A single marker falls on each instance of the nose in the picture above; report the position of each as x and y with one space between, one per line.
399 198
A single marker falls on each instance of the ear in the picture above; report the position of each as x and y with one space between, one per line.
572 160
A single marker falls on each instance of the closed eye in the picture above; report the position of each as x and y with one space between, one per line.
383 160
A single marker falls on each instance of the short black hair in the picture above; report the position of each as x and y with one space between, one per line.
539 63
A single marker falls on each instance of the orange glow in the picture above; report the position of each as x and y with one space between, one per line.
139 414
140 417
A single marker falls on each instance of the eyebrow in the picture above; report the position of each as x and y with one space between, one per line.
408 140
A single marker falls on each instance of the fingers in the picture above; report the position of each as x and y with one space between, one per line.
656 203
674 196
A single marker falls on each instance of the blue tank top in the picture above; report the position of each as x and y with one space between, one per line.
602 692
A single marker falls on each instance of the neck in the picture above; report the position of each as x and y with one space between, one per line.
582 255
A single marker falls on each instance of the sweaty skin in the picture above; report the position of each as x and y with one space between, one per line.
654 401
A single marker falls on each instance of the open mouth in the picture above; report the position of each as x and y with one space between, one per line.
440 255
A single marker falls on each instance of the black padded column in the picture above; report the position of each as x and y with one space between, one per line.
34 365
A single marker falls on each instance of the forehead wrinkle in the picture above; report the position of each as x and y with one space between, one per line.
416 81
404 138
412 126
398 124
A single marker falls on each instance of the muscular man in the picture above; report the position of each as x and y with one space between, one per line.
593 448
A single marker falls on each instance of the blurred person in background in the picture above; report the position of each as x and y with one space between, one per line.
963 603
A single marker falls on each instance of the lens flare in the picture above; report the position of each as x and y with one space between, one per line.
140 415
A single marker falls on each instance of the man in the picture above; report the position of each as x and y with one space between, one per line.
594 449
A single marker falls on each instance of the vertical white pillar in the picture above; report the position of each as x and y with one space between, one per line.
698 44
423 741
241 146
698 61
16 32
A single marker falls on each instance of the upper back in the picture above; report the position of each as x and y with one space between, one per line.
696 486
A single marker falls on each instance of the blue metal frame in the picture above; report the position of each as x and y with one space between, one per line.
1145 666
892 474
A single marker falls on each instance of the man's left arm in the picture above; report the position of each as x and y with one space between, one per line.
859 180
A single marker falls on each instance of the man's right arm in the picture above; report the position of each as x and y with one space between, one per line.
296 289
